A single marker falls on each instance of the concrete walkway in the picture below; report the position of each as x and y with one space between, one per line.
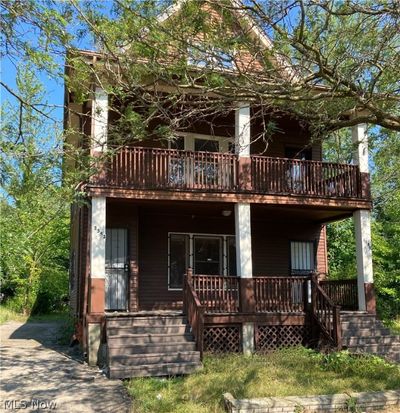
39 375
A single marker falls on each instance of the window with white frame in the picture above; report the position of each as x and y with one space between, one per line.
202 55
302 257
207 254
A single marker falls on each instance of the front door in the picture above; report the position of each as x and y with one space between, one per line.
116 288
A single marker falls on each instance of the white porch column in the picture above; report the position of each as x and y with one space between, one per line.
97 277
244 262
98 238
99 120
365 279
362 224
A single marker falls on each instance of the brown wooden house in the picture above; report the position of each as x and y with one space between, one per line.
210 243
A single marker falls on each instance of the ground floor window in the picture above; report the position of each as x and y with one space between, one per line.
302 257
207 254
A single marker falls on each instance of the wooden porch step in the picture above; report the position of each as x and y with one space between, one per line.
155 358
380 349
130 321
143 329
140 339
156 344
167 348
361 341
365 332
356 324
165 369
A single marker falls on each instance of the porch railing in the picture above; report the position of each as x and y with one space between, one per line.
169 169
210 294
194 311
218 294
222 294
280 175
274 294
342 292
326 314
152 168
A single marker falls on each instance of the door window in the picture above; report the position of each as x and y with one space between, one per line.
208 255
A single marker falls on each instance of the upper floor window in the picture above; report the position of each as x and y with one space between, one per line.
198 142
201 55
302 154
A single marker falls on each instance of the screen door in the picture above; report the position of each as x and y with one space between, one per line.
116 269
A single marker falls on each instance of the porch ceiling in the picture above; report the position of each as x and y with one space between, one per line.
215 210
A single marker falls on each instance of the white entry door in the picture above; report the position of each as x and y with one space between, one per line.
117 269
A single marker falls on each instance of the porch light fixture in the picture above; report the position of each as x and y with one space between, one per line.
226 213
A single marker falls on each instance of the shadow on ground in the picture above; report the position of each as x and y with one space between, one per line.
36 367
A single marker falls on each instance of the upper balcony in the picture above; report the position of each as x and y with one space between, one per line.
152 173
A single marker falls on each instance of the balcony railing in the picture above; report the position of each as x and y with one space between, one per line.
177 170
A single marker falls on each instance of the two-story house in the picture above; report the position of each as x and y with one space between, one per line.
208 241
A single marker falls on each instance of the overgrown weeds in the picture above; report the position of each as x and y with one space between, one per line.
295 371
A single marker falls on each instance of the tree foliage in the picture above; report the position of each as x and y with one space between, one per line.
385 163
330 63
34 215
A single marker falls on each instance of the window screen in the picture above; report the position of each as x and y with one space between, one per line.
302 257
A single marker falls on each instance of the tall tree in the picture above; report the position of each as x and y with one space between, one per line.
35 233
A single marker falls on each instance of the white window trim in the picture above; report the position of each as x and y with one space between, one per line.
224 263
190 137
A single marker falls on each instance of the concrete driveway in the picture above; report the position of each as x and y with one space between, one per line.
39 375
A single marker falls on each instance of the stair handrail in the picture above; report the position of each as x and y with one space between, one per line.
326 313
194 310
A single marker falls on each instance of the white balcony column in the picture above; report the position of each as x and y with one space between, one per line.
362 224
97 276
360 146
242 129
244 262
99 120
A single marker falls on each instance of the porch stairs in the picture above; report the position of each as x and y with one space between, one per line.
364 333
140 345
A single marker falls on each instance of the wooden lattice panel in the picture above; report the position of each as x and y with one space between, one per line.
222 339
273 337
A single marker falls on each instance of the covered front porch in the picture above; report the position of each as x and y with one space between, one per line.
251 270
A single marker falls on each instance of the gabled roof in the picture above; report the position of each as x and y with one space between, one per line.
246 20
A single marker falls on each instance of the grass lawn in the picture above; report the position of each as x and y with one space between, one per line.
8 314
296 371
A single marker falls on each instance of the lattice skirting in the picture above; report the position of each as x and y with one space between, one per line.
273 337
222 339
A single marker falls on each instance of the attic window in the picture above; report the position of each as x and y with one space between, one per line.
200 56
